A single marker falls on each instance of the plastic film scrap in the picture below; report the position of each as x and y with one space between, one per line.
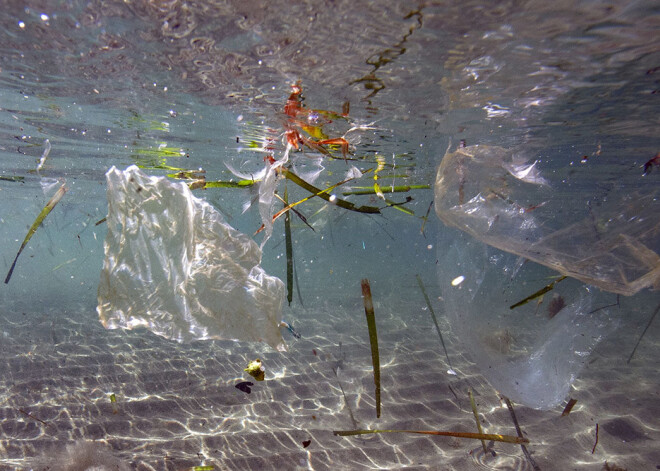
173 265
506 203
531 354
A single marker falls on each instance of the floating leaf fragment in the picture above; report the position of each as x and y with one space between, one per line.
113 401
12 179
256 370
236 184
37 222
540 292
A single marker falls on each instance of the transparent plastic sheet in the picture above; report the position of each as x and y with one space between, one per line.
533 353
507 203
173 265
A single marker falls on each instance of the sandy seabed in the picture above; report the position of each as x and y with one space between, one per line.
177 406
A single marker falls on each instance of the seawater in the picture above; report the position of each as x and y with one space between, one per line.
175 86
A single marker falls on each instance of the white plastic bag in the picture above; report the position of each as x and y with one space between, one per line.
173 265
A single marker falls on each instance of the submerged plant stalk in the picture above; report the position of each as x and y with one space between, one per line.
477 436
657 309
373 338
476 418
42 215
325 194
289 250
520 434
539 293
385 189
435 319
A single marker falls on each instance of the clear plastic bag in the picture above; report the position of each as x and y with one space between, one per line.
173 265
532 353
507 203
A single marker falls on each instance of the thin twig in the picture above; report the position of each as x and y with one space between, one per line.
435 320
640 337
594 448
515 423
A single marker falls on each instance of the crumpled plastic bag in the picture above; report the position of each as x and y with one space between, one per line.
507 203
532 353
173 265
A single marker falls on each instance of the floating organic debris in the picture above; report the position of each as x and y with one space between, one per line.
44 156
113 401
12 179
381 165
569 407
221 184
37 222
207 467
306 443
435 320
648 166
324 194
476 418
373 338
189 174
288 207
556 304
475 436
387 189
312 124
540 292
290 328
644 332
256 370
245 386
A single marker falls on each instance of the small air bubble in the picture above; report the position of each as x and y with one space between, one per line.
21 24
44 17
